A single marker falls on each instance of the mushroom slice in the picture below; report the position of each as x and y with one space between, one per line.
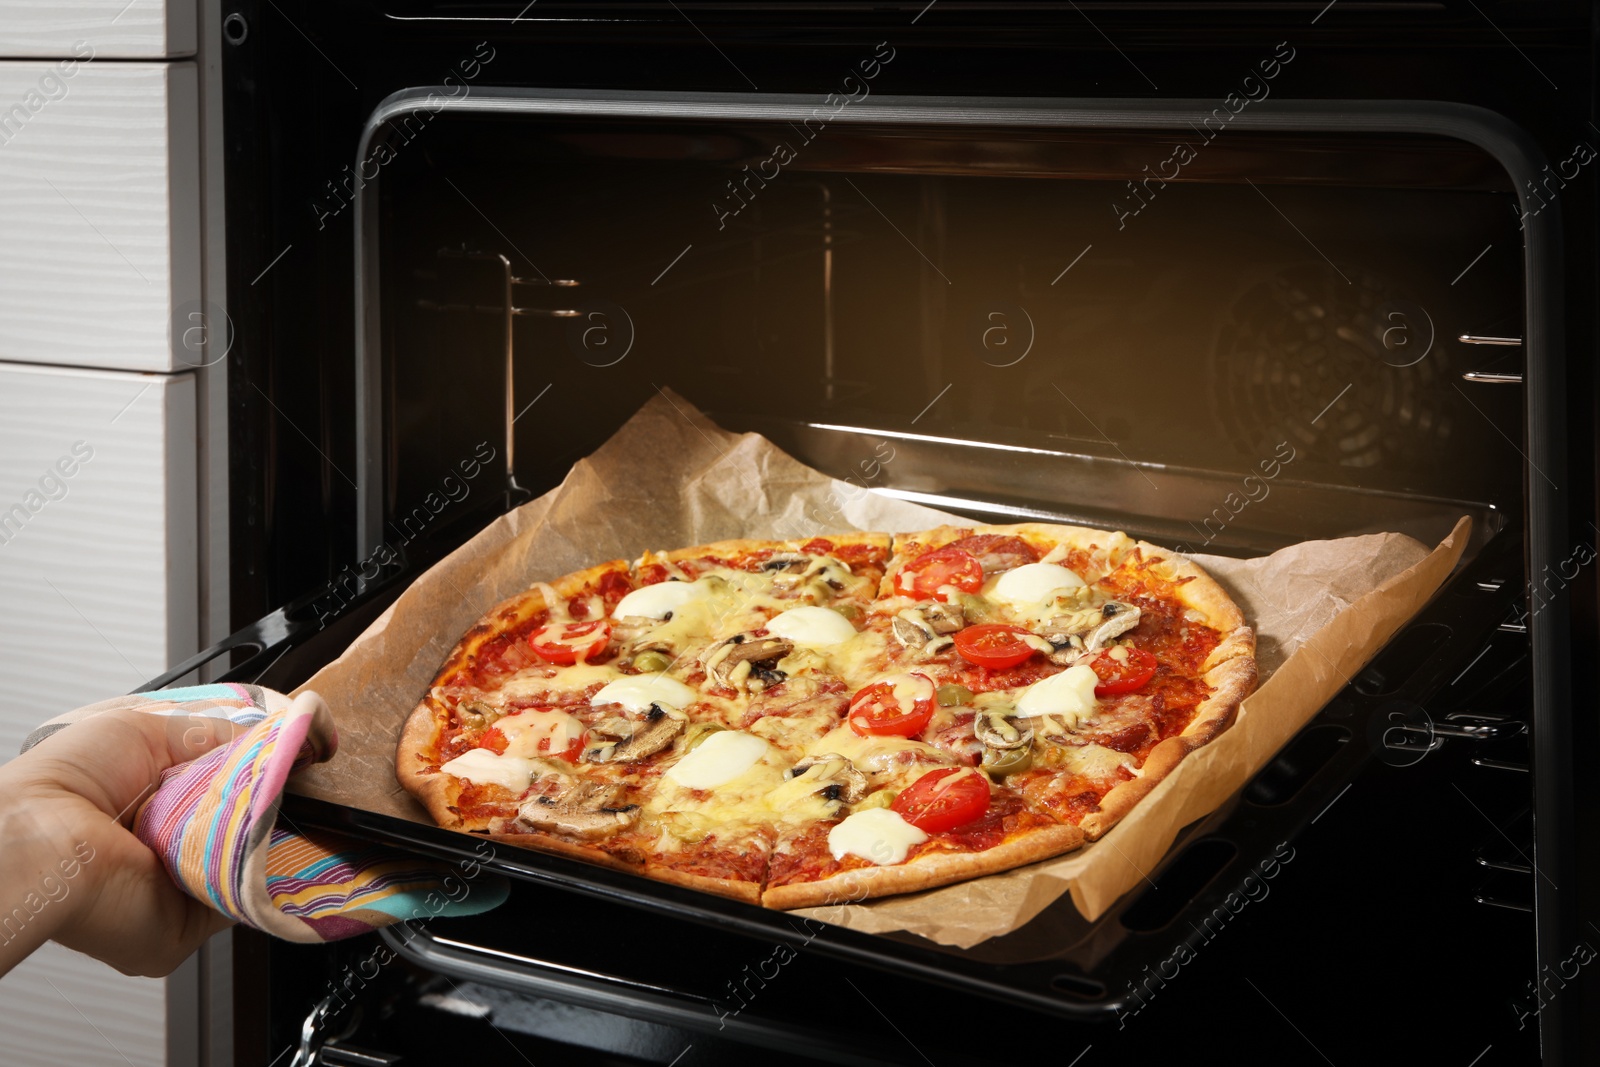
589 811
1118 618
636 634
834 776
926 624
476 715
911 629
761 653
999 728
944 618
638 738
787 563
1074 636
919 634
649 643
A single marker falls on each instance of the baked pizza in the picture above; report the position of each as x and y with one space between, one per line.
797 723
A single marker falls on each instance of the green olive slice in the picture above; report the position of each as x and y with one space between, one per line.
1007 761
698 733
651 662
951 695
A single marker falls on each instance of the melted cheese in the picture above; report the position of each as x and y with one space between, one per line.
1069 694
566 680
798 800
719 759
878 835
858 656
639 691
526 730
555 635
884 760
660 600
812 626
483 767
724 603
731 809
1095 761
1034 583
907 689
795 730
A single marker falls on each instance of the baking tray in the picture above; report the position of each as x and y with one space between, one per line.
1061 963
1058 963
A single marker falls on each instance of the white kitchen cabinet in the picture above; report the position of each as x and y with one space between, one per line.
99 213
118 29
98 526
98 581
48 992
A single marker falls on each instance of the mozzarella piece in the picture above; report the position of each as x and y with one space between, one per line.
483 767
524 731
639 691
659 600
1069 693
877 835
1033 583
812 626
720 758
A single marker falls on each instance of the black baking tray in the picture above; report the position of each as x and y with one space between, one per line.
1058 963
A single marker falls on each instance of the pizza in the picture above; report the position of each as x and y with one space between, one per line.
798 723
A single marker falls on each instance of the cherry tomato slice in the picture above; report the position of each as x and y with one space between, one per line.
497 742
993 645
573 751
1122 676
931 572
943 800
900 706
564 642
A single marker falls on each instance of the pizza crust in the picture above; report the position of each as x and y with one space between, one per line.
734 888
417 766
738 889
1231 680
926 871
744 546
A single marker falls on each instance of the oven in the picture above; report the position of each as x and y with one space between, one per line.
1099 263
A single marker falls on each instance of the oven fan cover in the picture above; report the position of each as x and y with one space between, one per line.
1349 373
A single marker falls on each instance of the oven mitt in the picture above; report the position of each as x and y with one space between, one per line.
215 823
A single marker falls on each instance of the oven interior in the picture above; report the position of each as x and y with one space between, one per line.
1038 334
1277 344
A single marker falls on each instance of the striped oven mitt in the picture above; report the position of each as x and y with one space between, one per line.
214 821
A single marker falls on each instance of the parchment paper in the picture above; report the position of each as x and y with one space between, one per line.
670 477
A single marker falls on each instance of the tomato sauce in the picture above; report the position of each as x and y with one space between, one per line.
478 802
1008 814
997 551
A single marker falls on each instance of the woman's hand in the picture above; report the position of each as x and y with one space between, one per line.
73 872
